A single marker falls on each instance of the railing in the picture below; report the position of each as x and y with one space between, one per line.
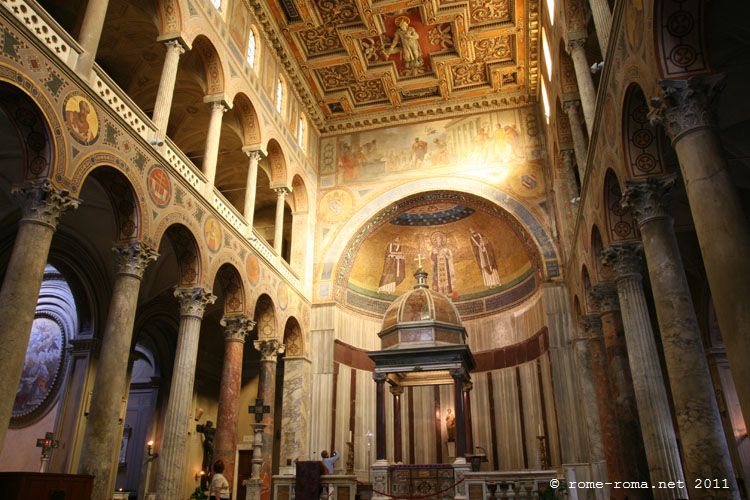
42 26
333 487
513 484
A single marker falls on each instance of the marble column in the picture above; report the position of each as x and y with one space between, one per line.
173 456
269 350
589 401
252 188
163 105
686 112
90 33
611 441
213 137
580 146
705 452
602 15
111 383
380 441
586 90
650 392
236 328
621 383
467 408
278 234
41 207
397 392
458 401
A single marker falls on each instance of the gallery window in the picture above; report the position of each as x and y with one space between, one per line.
545 100
279 95
251 49
547 54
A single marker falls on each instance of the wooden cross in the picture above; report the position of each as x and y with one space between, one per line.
259 409
419 258
47 443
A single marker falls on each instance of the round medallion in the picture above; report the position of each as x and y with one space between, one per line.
253 269
282 296
159 186
81 119
212 233
335 206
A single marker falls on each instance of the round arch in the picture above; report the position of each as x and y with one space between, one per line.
538 232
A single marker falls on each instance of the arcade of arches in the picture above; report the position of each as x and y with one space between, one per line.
208 207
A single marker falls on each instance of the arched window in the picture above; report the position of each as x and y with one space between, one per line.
279 95
547 54
545 100
301 130
551 11
217 4
251 49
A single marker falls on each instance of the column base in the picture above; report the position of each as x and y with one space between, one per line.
380 483
460 468
253 488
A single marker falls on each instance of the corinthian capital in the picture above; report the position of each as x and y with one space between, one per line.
571 106
625 260
193 301
269 349
606 296
576 42
132 259
686 105
236 328
649 200
43 203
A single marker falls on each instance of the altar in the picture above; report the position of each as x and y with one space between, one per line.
423 343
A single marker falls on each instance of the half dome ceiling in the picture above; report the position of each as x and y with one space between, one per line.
371 62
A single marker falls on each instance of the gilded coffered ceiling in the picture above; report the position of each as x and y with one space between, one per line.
368 62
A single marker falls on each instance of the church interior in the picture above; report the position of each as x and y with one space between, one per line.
479 248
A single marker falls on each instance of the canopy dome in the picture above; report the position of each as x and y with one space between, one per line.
421 318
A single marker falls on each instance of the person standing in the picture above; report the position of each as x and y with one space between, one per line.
393 268
328 461
219 489
485 257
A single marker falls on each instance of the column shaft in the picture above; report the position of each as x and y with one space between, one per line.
111 382
602 22
704 446
278 234
225 445
585 81
173 455
42 206
91 32
380 447
467 409
211 154
589 400
397 439
252 187
650 392
580 146
458 401
269 350
621 386
163 104
686 111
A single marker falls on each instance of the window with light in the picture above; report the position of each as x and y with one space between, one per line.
547 54
279 95
551 11
545 100
251 49
217 4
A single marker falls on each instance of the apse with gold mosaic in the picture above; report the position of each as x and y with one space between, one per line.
476 254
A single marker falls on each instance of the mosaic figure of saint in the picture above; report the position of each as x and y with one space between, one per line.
443 270
485 257
393 268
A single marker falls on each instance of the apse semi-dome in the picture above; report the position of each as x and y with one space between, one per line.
421 317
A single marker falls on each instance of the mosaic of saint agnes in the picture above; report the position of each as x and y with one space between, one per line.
467 252
474 141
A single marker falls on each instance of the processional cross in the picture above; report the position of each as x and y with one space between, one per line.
419 259
47 444
259 409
